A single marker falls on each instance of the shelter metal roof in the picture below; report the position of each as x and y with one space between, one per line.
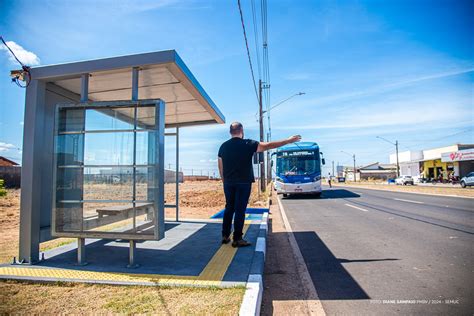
163 75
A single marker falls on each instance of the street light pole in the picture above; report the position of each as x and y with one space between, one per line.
269 134
274 106
354 158
398 164
396 151
355 171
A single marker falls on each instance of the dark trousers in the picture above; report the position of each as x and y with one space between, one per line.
236 199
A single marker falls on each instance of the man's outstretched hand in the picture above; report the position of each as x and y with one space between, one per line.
294 139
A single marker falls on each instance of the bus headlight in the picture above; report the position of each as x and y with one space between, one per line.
317 178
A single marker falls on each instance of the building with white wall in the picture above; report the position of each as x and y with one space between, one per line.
442 162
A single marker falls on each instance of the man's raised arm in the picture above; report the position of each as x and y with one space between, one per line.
263 146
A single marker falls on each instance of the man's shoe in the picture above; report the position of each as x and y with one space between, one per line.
240 243
225 240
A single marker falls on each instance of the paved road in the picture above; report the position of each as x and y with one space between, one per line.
378 252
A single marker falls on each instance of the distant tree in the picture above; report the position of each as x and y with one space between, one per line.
3 192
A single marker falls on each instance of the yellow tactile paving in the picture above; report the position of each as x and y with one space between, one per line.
90 275
211 275
218 265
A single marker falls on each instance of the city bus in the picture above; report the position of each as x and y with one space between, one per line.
298 169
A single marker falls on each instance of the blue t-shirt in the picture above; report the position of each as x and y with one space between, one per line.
236 154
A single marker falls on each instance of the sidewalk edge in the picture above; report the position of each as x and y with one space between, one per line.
252 300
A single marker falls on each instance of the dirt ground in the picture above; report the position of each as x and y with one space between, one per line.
430 189
199 199
202 199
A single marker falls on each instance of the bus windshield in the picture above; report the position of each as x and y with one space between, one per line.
298 163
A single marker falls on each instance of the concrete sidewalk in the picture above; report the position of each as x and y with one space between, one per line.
191 254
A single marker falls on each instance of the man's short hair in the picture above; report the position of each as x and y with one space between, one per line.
236 128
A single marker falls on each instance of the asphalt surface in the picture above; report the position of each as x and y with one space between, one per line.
377 252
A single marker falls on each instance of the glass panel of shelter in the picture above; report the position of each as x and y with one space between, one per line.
105 170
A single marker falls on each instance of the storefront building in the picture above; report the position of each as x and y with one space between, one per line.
437 163
461 160
455 160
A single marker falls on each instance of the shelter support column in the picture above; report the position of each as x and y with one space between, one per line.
131 255
81 252
160 169
177 174
31 180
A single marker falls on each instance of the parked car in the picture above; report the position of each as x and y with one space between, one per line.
390 180
468 180
423 180
404 180
341 179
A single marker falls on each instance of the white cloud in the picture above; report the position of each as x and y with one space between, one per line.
26 57
208 160
298 76
383 88
6 146
408 110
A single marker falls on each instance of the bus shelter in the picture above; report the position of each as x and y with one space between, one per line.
93 149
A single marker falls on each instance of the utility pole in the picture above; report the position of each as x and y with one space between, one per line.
355 172
354 158
333 168
260 111
396 150
269 162
398 165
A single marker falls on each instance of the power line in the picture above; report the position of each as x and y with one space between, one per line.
248 51
23 75
266 68
437 139
255 33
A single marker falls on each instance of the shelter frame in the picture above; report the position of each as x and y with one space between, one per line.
54 84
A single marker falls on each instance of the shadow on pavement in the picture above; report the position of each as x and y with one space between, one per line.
326 194
331 280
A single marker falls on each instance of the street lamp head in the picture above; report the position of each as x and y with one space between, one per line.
301 93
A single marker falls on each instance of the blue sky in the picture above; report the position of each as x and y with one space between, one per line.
397 69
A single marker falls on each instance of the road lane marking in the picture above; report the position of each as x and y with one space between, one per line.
410 201
357 207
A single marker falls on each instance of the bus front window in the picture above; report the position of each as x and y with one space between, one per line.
298 163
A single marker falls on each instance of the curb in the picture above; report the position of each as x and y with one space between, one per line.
420 193
254 289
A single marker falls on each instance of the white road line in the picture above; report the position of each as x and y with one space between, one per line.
410 201
357 207
313 303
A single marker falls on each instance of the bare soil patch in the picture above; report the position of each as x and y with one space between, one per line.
202 199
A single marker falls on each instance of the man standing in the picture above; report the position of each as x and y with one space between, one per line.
236 171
